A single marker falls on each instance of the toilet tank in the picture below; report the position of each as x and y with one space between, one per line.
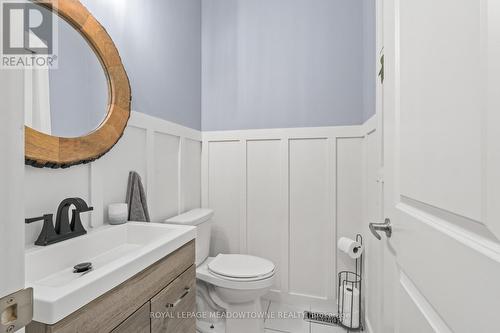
201 218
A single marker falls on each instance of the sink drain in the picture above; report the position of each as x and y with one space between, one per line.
83 267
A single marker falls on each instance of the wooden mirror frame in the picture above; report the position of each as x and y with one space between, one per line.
43 150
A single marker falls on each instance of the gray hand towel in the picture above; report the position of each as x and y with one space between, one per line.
136 199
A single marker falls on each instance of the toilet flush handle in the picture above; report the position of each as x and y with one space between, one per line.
173 305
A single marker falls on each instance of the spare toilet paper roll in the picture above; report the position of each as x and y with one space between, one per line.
349 304
352 248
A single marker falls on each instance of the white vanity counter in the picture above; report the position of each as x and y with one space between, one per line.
116 252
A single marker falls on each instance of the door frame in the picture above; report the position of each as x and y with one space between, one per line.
12 179
383 257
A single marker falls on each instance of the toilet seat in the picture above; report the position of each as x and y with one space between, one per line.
241 267
243 279
205 274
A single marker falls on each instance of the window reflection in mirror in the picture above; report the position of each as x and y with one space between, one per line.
70 100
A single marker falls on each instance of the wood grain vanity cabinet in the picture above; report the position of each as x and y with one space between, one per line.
160 299
138 322
178 309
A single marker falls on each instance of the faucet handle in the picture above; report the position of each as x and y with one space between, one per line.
82 206
84 210
39 218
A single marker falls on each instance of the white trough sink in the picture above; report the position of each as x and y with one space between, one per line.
116 252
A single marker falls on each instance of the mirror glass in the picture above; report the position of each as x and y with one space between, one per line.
70 100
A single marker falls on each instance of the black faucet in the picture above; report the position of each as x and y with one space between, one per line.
63 229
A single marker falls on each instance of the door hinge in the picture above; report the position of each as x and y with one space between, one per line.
16 310
381 73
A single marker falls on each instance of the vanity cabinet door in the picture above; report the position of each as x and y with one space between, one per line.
172 310
138 322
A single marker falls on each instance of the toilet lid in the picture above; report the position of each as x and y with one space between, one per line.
240 266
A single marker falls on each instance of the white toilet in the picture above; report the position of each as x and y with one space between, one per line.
228 284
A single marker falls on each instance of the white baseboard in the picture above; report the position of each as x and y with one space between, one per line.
303 301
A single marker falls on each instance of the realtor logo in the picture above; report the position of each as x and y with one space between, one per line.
28 35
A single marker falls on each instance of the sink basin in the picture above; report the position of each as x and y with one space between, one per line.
116 252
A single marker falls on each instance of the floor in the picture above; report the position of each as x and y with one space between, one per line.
282 318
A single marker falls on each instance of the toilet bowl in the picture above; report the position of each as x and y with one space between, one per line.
238 295
230 286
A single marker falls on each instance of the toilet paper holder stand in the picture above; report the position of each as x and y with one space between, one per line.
349 305
349 308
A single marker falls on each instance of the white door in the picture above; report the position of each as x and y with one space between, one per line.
442 165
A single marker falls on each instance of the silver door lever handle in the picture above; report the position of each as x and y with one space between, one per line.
385 227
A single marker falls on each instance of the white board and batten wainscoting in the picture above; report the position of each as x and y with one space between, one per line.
166 155
288 195
283 194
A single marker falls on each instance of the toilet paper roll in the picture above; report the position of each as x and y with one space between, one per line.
351 297
352 248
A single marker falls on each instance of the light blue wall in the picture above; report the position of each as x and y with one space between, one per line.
285 63
370 58
266 63
160 45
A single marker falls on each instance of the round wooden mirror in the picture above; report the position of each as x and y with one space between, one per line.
64 147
